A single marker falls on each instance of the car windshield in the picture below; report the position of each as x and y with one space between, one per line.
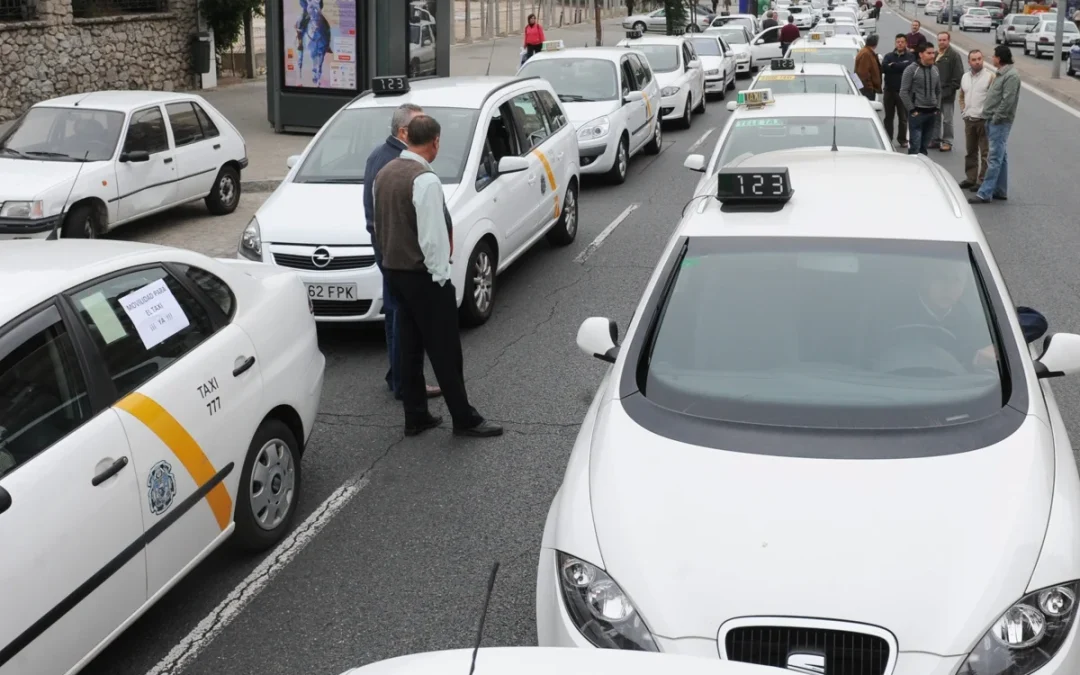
64 135
845 29
734 37
840 56
707 46
662 58
757 135
804 84
340 153
849 334
576 79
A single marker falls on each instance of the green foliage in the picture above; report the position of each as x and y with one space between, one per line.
226 18
677 16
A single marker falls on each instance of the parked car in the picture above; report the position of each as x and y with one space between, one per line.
933 7
1012 29
976 18
996 9
1040 39
1074 60
700 17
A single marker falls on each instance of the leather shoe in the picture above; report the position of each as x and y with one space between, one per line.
422 425
1001 198
977 200
967 184
483 430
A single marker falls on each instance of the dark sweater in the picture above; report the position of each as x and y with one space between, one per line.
398 230
379 157
893 67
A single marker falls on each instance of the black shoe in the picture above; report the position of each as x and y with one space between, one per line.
417 428
977 200
976 187
967 184
483 430
1001 198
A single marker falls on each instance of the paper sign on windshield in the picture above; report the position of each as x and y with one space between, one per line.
154 311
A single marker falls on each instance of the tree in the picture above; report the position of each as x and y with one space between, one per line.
675 11
226 19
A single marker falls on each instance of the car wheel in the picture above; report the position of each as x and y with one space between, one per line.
225 195
640 26
617 174
722 94
731 85
693 28
997 39
686 117
81 222
1070 71
479 297
565 231
701 106
653 146
1027 52
269 487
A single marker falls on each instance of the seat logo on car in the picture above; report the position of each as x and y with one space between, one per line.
321 257
161 487
806 662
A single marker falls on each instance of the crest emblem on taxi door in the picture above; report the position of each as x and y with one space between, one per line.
543 185
161 487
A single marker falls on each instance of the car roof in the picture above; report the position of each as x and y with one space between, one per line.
823 205
119 101
601 53
811 105
835 42
810 69
455 92
673 40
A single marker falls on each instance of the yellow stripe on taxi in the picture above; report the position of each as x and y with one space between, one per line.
547 168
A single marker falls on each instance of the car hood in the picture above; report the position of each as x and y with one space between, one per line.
931 549
319 213
581 112
740 49
712 62
28 178
668 79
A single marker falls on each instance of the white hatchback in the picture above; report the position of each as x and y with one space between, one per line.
977 18
679 73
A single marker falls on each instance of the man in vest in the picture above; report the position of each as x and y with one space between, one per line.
416 240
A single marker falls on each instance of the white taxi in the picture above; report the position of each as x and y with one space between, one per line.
977 18
751 23
153 403
612 100
678 71
820 47
784 77
761 123
718 60
804 16
816 428
508 161
751 51
78 166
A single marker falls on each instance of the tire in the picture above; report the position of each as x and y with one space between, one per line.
481 270
565 231
1070 71
692 28
731 85
1027 52
224 197
700 109
687 117
266 500
621 166
640 26
653 147
722 94
81 222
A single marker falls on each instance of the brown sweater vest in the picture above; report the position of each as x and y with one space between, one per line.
396 229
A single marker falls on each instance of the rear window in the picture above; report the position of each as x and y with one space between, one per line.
662 58
839 56
576 80
758 135
805 84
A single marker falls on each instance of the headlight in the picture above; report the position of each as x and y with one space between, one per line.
714 71
742 56
251 241
597 128
1028 635
599 608
669 91
22 210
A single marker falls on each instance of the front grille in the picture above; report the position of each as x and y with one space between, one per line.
846 653
333 308
304 262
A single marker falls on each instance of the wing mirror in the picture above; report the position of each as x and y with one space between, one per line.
695 163
696 63
599 337
513 164
1060 357
876 105
732 106
135 156
292 161
631 96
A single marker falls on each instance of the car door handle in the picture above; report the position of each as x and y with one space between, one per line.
5 500
168 160
217 146
244 367
113 469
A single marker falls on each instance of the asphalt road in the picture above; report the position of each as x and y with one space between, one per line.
402 567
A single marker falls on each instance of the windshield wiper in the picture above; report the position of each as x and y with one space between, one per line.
573 98
57 155
12 151
339 181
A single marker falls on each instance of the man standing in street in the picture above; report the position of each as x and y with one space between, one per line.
920 89
415 238
973 89
770 22
951 70
379 158
788 34
893 66
999 111
915 37
868 68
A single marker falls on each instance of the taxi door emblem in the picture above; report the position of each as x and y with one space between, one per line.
543 185
161 487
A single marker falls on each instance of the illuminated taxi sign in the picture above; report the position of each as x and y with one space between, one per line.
737 185
552 46
393 85
782 64
755 98
633 34
817 37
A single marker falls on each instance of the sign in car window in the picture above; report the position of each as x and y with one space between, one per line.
320 44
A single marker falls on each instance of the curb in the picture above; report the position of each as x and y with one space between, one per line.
260 185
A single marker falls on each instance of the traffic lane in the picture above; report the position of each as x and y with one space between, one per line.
359 423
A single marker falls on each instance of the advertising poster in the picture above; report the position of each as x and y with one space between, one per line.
320 44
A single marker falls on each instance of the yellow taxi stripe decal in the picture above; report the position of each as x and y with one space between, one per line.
186 449
556 204
547 168
648 107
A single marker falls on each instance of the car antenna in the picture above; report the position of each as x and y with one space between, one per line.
488 71
483 616
835 95
63 209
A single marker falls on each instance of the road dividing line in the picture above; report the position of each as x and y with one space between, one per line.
209 628
591 248
695 144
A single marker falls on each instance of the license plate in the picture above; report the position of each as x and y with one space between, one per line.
334 292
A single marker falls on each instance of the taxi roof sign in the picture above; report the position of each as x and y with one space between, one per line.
782 64
552 46
764 186
393 85
633 34
817 36
755 98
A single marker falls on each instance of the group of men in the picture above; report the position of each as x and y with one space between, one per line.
412 235
919 83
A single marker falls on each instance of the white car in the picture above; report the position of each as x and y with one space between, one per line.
612 100
821 471
752 51
751 23
933 7
788 123
1013 28
153 404
804 16
809 78
977 18
508 161
1040 39
718 60
840 49
81 165
678 71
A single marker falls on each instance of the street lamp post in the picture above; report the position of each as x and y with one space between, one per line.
950 14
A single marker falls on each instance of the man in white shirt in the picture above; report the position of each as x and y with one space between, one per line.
973 88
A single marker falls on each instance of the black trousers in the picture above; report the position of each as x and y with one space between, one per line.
427 321
894 110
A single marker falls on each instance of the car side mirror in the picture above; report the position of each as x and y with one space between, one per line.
292 161
135 156
695 163
759 41
696 63
513 165
1060 356
731 106
631 96
599 337
876 105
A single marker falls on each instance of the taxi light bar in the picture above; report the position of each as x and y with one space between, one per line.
633 34
552 46
393 85
817 36
755 98
739 186
782 64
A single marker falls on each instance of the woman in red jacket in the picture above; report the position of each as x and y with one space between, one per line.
534 37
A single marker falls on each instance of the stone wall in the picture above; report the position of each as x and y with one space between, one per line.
56 54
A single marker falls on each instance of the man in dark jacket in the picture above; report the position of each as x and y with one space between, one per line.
915 37
893 66
380 157
951 69
868 68
920 90
770 22
788 34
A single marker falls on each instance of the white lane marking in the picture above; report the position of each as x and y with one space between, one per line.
698 142
209 628
591 248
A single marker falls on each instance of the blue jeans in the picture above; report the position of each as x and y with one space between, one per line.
921 130
996 180
393 375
